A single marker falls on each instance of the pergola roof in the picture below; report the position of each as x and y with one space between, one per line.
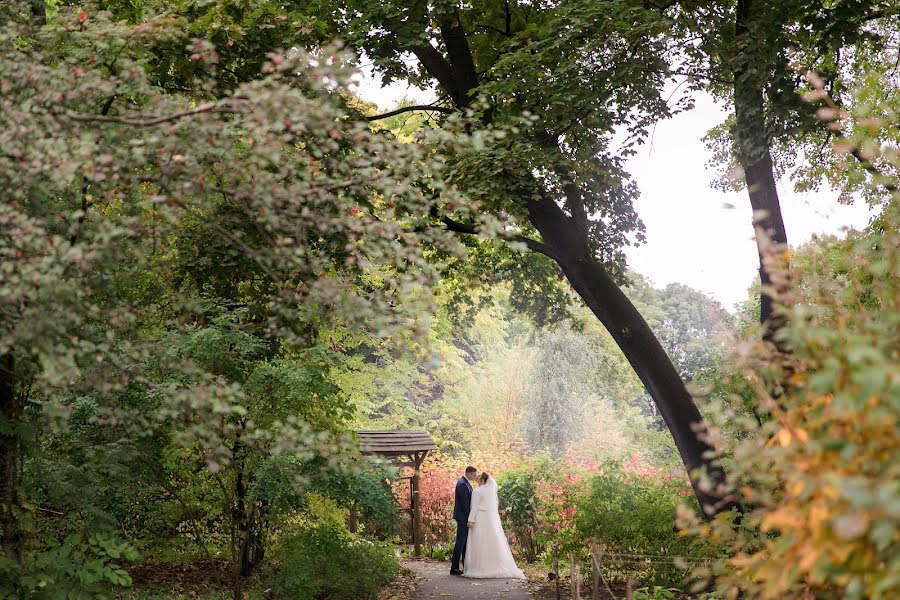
394 443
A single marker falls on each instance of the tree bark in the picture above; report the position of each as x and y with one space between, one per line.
249 536
640 346
771 237
752 143
9 457
241 521
248 519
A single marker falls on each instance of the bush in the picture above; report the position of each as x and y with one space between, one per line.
368 491
76 568
632 510
632 514
326 562
437 485
517 493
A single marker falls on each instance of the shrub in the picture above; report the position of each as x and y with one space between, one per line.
326 562
517 493
437 485
368 491
631 509
632 513
559 490
76 568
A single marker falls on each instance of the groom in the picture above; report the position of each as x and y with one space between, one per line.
461 506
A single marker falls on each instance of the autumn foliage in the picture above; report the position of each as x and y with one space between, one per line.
819 479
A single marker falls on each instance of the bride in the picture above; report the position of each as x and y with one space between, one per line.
487 553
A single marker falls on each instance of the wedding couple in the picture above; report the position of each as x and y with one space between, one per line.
480 542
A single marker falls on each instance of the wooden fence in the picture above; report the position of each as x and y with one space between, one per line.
600 589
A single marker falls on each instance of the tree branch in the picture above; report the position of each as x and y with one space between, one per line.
439 68
508 14
866 164
574 200
533 244
486 27
405 109
147 121
460 57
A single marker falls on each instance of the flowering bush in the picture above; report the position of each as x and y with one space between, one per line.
437 485
561 503
559 493
629 506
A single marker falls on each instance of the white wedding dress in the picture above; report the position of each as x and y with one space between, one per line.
487 553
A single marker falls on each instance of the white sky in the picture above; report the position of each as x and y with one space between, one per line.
692 237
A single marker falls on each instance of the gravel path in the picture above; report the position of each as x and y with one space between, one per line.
436 582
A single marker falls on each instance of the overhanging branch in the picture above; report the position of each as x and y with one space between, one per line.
406 109
533 244
153 120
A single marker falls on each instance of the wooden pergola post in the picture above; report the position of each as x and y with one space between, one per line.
406 449
416 503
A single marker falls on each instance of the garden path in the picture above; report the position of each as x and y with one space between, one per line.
436 582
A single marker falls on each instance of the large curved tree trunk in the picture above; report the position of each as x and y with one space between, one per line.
641 347
770 233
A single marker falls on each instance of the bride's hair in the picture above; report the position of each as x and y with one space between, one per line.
484 477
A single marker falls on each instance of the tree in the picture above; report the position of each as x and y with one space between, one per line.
557 394
547 87
752 53
695 329
305 218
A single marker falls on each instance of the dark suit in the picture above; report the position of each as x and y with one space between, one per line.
461 505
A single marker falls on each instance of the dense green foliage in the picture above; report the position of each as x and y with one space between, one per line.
633 513
169 265
70 568
324 561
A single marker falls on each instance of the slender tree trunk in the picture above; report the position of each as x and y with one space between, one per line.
9 458
752 143
248 521
240 520
259 536
771 237
244 524
641 347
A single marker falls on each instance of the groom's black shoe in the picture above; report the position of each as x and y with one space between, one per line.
455 572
